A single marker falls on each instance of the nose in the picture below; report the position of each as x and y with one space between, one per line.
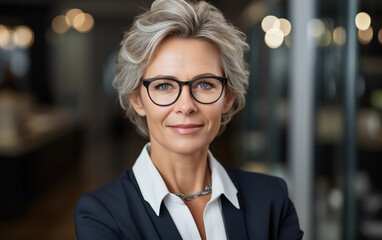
185 104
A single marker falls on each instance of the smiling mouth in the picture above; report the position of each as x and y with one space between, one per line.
186 129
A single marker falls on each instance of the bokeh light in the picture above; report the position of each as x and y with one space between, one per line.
23 36
274 38
362 21
335 198
285 26
380 36
71 15
276 29
79 20
316 28
73 18
83 22
5 36
339 35
270 22
60 24
365 36
326 38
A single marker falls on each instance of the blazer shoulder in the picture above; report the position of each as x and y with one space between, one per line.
106 196
93 219
245 179
113 187
253 186
120 193
108 211
265 199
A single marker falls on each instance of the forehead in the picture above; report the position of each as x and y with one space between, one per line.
184 57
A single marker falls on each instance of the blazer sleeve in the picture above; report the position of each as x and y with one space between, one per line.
289 225
93 221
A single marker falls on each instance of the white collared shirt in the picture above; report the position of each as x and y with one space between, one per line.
154 191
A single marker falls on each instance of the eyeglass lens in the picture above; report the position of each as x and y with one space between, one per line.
166 91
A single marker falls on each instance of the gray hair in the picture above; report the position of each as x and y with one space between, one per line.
180 19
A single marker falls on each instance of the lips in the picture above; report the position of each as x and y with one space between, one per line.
186 129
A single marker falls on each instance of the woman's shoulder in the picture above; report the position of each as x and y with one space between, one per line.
254 182
261 178
265 201
112 190
108 211
109 199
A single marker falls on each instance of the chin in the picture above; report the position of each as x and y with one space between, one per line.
188 146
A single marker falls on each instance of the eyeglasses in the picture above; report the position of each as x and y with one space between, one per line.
165 91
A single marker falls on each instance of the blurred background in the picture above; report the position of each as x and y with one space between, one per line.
313 113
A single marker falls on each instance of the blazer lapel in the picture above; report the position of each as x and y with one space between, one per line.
234 218
163 223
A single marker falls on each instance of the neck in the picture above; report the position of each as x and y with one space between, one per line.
185 173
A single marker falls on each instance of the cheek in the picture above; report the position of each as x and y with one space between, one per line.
155 115
214 117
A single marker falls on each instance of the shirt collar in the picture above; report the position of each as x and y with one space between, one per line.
154 189
222 183
149 180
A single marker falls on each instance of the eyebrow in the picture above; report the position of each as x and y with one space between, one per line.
173 77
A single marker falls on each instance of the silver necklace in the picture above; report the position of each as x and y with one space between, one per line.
190 197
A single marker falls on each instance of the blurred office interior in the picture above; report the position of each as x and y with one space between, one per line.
313 113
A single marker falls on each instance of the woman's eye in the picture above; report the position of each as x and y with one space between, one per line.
163 86
205 85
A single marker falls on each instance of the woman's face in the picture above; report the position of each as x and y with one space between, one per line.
186 126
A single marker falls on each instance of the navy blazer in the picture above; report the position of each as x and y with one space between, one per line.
117 210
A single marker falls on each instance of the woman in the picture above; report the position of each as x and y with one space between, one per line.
181 76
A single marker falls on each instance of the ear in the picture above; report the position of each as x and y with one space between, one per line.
228 101
136 102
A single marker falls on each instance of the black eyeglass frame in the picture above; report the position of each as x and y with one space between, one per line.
146 82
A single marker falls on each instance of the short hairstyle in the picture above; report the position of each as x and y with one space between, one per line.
186 20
